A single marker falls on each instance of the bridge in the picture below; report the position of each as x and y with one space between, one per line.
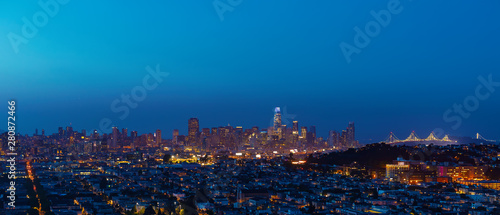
479 137
414 138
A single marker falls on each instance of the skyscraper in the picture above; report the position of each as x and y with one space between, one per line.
343 139
333 138
133 135
312 129
69 131
311 135
205 131
61 131
295 127
175 134
303 132
95 135
350 134
158 137
193 129
114 137
295 132
124 133
277 119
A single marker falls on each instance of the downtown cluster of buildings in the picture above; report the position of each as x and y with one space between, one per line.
276 139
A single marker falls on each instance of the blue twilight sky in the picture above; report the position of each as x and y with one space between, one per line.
262 54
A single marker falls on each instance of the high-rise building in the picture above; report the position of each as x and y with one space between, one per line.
150 139
84 132
303 132
133 134
43 132
158 137
295 132
350 133
295 127
205 132
114 142
277 119
311 136
193 129
95 135
69 130
255 129
175 134
214 131
61 131
343 139
312 129
333 139
124 133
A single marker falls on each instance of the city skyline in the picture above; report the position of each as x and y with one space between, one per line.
276 122
175 132
193 128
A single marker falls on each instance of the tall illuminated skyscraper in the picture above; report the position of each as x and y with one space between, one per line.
95 135
277 118
193 129
295 127
295 131
303 132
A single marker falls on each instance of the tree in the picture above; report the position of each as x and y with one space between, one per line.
166 158
150 211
